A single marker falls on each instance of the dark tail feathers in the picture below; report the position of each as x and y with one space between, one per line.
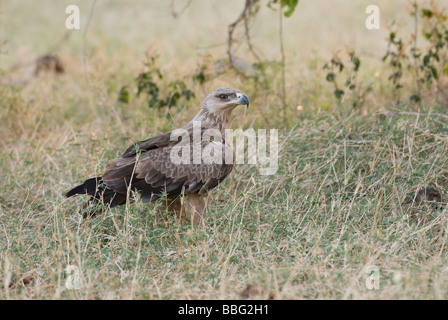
99 193
89 187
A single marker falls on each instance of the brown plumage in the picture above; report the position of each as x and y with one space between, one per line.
148 167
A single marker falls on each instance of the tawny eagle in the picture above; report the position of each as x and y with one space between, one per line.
149 167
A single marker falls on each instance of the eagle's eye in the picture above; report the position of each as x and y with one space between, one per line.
223 96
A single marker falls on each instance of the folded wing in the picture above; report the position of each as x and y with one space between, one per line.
147 167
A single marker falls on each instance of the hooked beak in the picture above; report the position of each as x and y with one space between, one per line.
242 99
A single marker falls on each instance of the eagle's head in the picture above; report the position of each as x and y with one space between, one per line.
223 100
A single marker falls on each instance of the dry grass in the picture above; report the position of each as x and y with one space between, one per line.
341 200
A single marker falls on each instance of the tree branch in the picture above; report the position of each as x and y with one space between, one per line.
241 17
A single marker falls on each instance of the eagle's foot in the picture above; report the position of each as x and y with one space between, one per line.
192 206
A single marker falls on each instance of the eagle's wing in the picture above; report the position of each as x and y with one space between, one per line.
159 141
153 173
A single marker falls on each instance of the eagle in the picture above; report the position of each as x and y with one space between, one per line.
152 168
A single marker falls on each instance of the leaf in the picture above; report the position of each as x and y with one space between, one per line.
392 36
415 98
427 13
338 93
434 72
123 95
291 4
188 94
330 77
356 63
445 68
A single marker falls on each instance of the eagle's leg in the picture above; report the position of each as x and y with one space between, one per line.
175 206
193 206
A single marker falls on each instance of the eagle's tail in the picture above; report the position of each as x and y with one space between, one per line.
100 195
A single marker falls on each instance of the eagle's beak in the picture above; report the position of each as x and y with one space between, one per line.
242 99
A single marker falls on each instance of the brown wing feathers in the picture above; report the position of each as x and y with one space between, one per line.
159 141
146 166
152 174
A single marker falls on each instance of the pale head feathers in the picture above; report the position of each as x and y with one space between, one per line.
219 104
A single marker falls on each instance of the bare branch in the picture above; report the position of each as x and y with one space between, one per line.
248 39
181 11
232 26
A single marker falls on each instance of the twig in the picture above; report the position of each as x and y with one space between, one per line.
282 50
178 14
232 29
92 10
64 38
248 39
415 48
348 86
